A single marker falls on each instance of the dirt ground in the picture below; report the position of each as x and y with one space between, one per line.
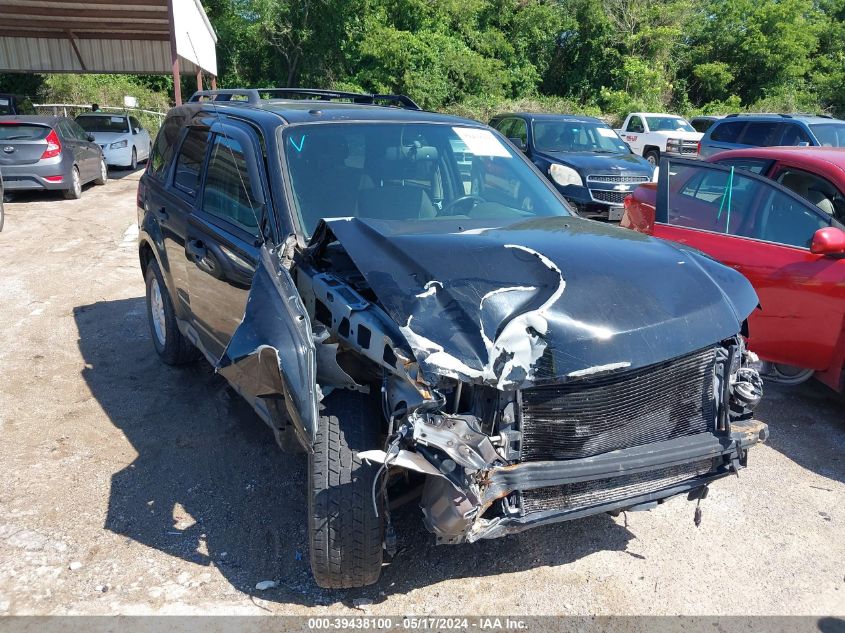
127 486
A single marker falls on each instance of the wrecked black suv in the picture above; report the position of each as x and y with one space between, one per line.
403 296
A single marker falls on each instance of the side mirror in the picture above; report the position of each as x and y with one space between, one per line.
828 241
90 137
136 130
519 143
639 216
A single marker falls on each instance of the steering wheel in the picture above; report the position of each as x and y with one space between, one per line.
461 200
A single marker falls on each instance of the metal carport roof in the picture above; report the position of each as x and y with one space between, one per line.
107 36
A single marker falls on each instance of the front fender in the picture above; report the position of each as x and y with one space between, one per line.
272 353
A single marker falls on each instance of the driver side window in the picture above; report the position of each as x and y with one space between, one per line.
732 203
635 124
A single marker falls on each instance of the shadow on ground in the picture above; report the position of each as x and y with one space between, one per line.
807 425
210 486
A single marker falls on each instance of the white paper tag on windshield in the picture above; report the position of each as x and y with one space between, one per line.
481 142
4 102
606 131
117 119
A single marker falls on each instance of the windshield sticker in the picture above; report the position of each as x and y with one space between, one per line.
606 131
117 119
481 142
4 102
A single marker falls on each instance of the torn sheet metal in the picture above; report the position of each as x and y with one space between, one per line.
541 299
272 353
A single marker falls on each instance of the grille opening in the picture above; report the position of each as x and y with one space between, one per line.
597 492
587 417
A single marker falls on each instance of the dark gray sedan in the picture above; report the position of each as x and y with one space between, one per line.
49 153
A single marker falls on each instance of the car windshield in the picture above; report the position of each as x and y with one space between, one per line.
576 136
103 123
419 172
668 124
829 134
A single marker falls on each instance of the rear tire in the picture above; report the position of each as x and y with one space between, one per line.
345 535
652 156
171 345
75 191
104 173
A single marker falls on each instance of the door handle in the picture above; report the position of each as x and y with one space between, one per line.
161 213
196 250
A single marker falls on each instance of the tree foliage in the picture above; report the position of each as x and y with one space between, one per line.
612 55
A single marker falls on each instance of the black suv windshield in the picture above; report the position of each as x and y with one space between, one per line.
576 136
829 134
412 172
103 123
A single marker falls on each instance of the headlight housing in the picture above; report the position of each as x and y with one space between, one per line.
565 175
673 145
118 145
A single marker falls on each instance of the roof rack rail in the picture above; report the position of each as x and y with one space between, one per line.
734 114
791 115
255 96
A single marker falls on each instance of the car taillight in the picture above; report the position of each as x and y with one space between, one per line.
54 146
698 148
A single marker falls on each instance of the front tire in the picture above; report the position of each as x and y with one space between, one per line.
133 163
653 157
171 345
75 191
345 535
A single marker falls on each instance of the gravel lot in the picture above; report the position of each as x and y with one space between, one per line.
131 487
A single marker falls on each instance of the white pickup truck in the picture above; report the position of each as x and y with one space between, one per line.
651 135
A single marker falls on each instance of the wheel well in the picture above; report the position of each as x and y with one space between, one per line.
145 254
649 148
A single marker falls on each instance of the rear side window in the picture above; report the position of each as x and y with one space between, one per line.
727 132
760 133
23 132
165 145
794 135
228 192
190 159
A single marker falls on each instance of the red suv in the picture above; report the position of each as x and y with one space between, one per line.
778 216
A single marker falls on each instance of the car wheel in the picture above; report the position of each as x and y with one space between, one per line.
169 342
103 178
345 534
133 165
75 191
653 157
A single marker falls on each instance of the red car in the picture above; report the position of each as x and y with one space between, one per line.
778 216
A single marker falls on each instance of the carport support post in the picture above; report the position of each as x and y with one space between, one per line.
174 56
213 82
199 78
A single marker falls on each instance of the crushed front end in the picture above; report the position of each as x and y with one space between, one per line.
499 462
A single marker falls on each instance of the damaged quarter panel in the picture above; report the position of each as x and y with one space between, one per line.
541 299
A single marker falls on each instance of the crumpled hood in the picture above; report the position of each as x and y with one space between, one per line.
597 163
544 299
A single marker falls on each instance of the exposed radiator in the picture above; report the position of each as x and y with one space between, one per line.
588 417
590 493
